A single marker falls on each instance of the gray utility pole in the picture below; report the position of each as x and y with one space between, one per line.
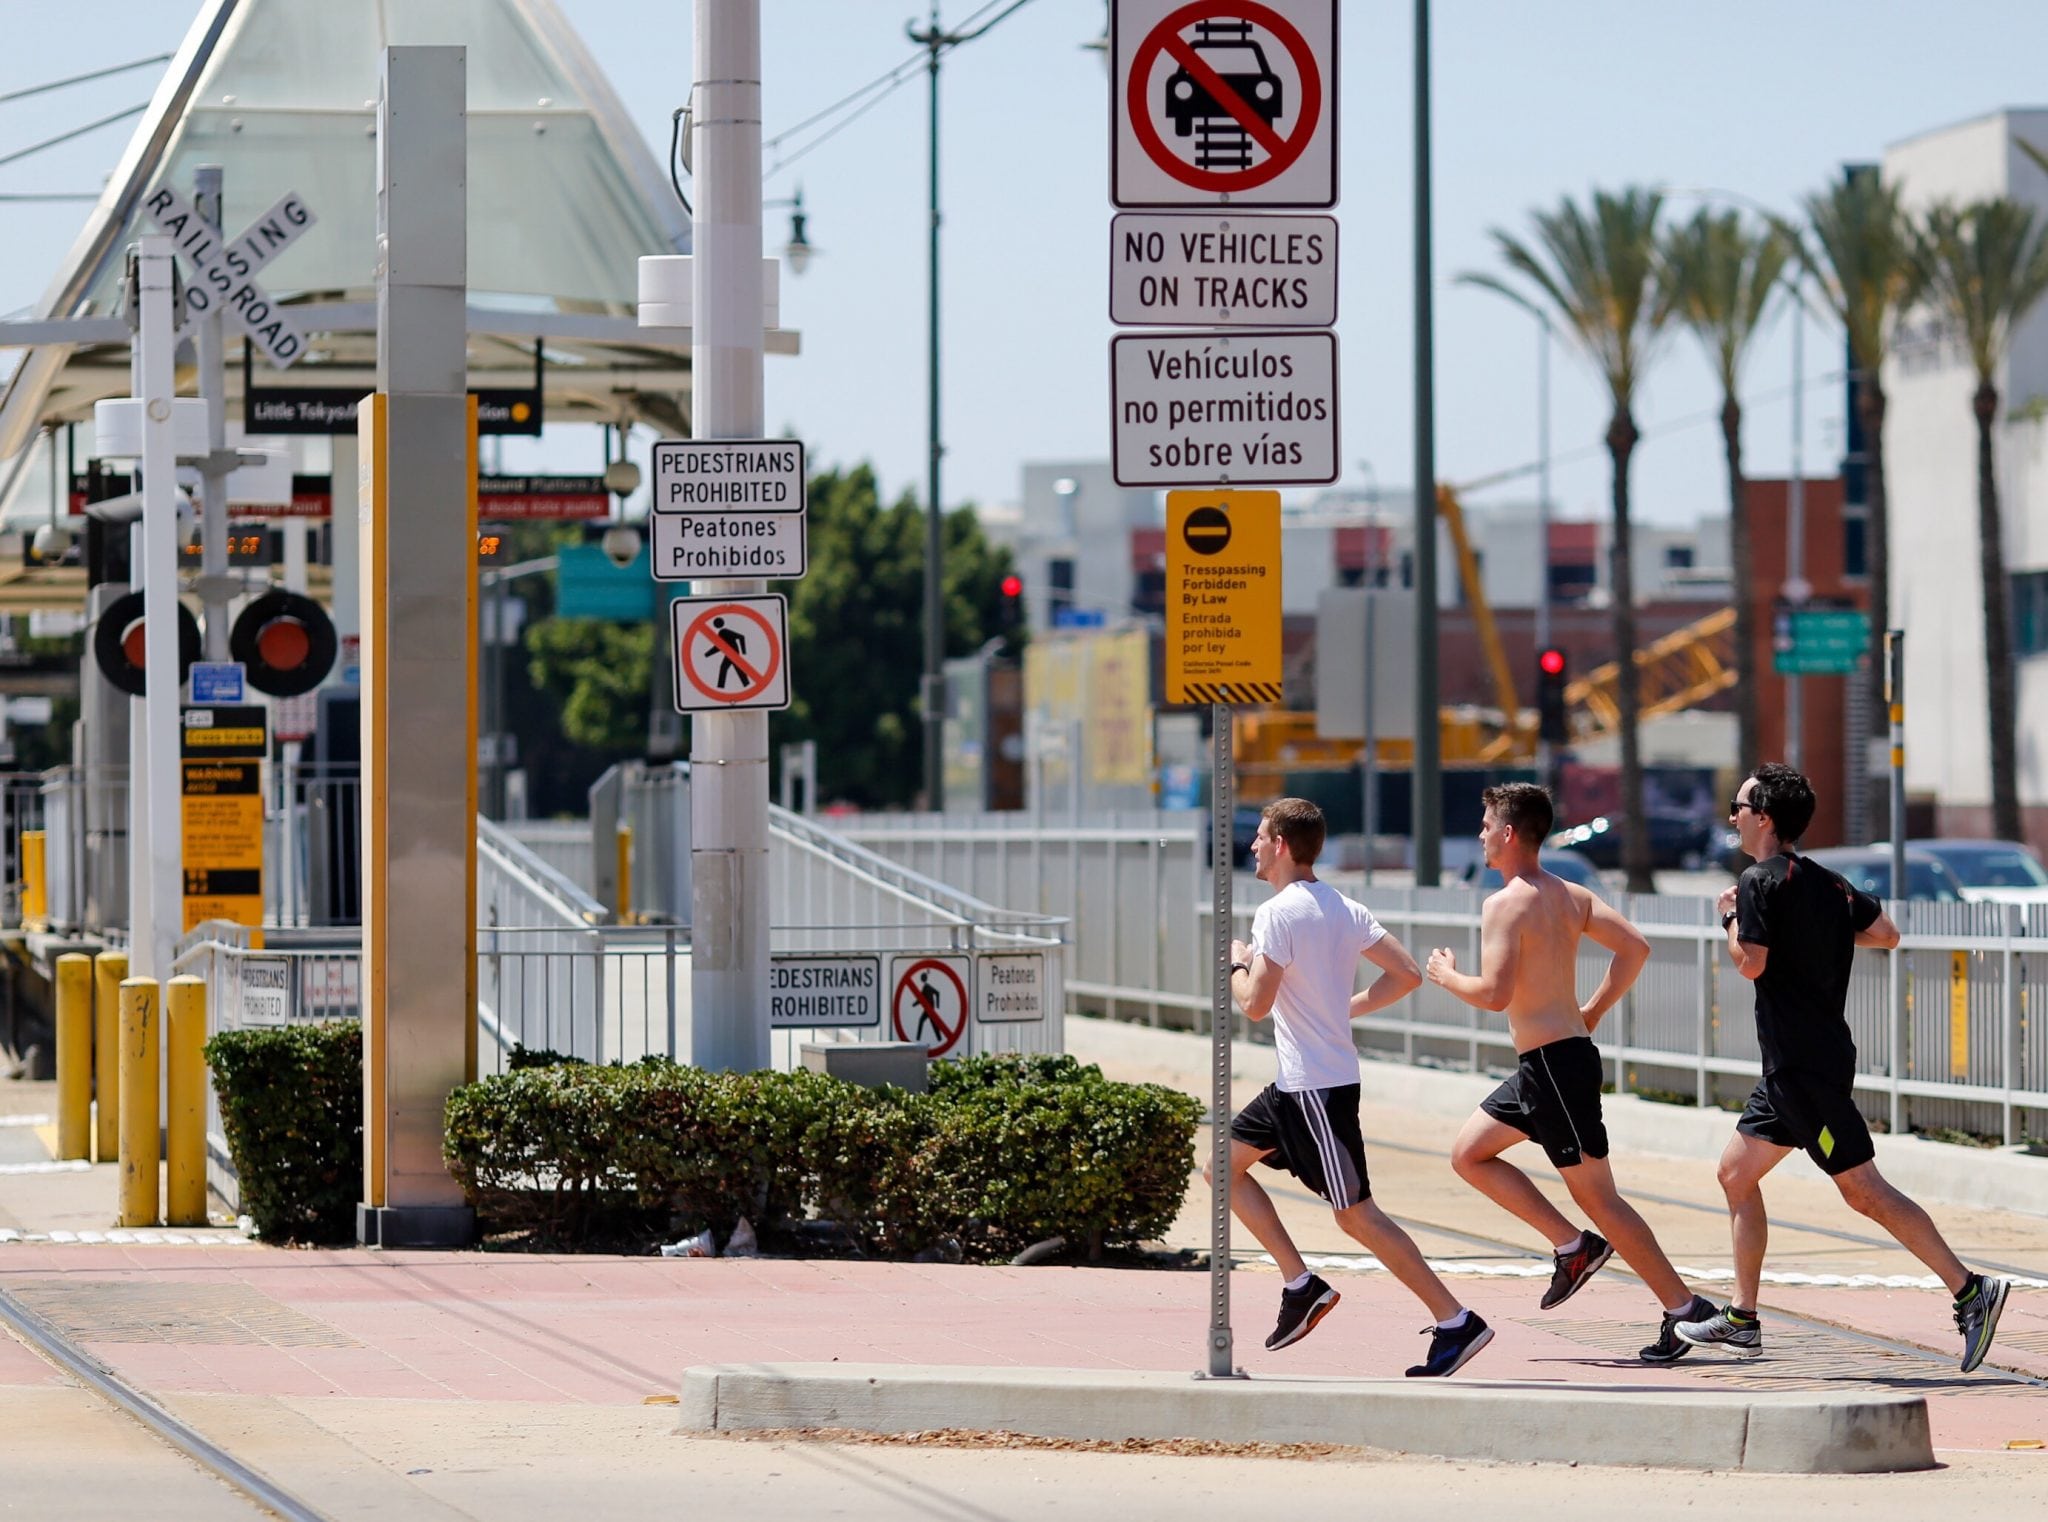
728 751
1427 792
155 934
1796 589
1895 700
215 586
1544 759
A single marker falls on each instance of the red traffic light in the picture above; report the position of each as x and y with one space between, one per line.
1551 662
1013 586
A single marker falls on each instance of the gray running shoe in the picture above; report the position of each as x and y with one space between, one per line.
1977 1317
1724 1329
1669 1348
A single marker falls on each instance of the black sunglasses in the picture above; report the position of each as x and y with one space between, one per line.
1737 805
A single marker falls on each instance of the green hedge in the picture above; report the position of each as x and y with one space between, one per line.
1003 1152
291 1103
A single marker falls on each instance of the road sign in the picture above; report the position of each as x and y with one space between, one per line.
1365 667
1012 988
1819 641
817 991
929 1000
217 682
266 990
225 271
1180 270
1223 597
731 653
729 508
1224 409
1223 102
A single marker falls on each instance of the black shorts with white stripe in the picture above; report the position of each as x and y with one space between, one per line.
1312 1134
1553 1098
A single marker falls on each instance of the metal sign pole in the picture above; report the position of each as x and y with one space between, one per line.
1895 700
213 470
1221 853
1368 768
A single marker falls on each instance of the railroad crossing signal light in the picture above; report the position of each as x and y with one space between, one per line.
1010 617
1013 586
1552 727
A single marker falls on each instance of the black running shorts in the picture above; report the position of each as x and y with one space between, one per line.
1312 1134
1793 1109
1553 1097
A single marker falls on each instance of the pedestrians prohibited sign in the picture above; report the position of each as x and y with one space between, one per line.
1223 597
731 653
929 1001
1224 102
819 990
1012 988
1176 270
1230 409
729 508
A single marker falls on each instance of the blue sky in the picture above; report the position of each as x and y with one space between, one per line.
1532 102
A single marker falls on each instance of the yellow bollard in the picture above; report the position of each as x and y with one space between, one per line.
185 1124
141 1064
625 845
35 901
74 1056
109 969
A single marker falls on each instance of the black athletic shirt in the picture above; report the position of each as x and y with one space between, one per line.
1809 918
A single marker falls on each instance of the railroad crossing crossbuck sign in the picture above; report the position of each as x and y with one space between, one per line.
929 1001
731 653
225 269
1224 102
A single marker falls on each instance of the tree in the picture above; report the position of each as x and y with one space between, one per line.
1986 266
1870 272
1599 273
856 636
1721 276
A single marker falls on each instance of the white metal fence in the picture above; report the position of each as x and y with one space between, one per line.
1951 1028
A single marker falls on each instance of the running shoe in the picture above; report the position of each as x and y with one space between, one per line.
1300 1310
1740 1335
1669 1347
1449 1351
1575 1268
1977 1317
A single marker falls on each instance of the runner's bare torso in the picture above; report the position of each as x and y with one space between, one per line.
1537 921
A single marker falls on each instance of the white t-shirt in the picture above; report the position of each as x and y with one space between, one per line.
1317 935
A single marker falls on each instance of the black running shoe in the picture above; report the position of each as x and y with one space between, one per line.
1449 1351
1300 1310
1575 1268
1977 1317
1669 1346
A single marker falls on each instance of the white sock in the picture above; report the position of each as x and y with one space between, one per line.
1295 1286
1682 1306
1455 1322
1571 1247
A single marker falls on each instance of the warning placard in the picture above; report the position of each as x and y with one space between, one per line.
731 653
1223 597
1224 409
729 508
929 999
1178 270
1012 988
812 991
221 813
1224 102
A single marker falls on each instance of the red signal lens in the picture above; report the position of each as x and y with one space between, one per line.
1552 662
1013 586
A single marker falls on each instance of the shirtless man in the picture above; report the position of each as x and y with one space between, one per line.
1529 942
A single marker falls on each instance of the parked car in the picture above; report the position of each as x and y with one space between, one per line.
1992 871
1676 841
1569 865
1870 868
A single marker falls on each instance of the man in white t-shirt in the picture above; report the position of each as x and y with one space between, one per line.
1301 968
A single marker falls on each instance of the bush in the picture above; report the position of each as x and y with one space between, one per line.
1003 1152
291 1103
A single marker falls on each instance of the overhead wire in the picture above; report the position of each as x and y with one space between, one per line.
65 137
79 79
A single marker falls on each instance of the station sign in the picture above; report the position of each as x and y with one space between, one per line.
1223 597
728 509
731 653
1178 270
1224 409
226 268
823 990
1223 102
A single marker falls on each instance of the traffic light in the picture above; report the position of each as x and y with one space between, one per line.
1010 617
1552 726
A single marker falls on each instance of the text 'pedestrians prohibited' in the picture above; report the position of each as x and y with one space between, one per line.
729 508
816 991
1012 988
731 653
225 269
929 999
1223 597
1232 409
1224 102
1175 270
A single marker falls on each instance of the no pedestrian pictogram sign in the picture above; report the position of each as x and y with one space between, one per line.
1224 102
731 653
929 1002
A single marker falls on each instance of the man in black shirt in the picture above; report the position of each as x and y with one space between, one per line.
1793 928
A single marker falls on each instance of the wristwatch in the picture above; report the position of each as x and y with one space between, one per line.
1727 919
1240 967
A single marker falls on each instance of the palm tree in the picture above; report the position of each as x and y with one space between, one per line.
1869 270
1598 272
1721 276
1986 266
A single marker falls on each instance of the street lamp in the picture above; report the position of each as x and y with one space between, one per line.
799 250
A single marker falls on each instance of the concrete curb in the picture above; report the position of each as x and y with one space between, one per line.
1785 1434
